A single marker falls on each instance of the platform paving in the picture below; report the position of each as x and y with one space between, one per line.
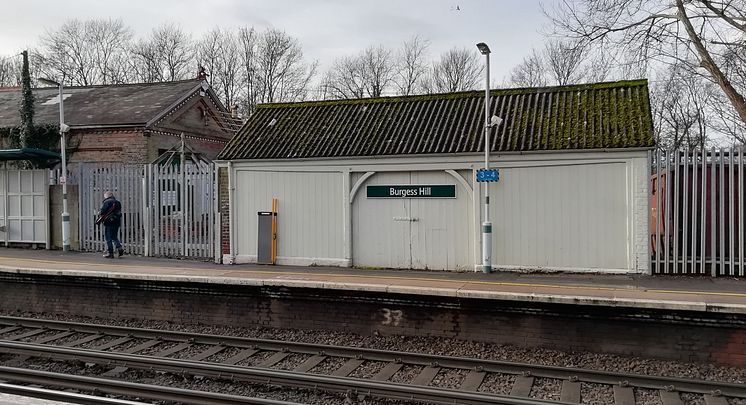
702 294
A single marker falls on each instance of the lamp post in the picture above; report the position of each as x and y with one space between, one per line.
486 225
63 178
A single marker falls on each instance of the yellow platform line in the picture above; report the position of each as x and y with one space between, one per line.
378 277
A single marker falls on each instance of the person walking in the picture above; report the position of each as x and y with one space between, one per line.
110 215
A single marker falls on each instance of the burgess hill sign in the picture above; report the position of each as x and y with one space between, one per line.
412 191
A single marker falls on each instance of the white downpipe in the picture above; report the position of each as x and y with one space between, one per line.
231 215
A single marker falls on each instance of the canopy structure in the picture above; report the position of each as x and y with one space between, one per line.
45 157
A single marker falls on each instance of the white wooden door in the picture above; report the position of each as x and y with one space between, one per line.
440 238
381 227
420 233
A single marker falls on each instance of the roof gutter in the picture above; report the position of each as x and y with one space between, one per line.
107 126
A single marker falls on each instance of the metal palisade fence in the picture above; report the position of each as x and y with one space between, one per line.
126 182
697 211
167 209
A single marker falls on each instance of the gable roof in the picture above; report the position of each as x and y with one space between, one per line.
100 106
590 116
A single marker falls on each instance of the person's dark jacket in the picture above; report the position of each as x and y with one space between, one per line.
111 212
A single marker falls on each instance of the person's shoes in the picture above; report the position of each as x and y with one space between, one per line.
120 252
109 256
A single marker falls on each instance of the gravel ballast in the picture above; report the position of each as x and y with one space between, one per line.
493 383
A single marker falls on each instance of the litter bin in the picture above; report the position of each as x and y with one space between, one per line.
265 241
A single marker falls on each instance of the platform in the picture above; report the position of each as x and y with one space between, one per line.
720 295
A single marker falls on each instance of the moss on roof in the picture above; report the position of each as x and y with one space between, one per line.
585 116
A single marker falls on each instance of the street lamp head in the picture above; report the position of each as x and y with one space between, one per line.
483 48
48 81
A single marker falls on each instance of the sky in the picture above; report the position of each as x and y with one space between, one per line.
327 29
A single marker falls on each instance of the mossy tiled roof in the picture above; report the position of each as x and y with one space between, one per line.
120 104
591 116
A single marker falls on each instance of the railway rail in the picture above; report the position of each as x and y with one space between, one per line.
109 386
121 348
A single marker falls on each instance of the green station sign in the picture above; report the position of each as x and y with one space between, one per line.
412 191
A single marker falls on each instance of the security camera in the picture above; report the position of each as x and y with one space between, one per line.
64 128
495 121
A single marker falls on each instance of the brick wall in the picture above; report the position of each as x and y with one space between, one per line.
109 146
132 146
683 336
224 210
159 141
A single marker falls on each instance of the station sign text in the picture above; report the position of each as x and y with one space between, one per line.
412 191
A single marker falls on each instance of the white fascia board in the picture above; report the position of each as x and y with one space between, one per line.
441 162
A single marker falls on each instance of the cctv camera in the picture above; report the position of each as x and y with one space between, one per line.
64 127
495 121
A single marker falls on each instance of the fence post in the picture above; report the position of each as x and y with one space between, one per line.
146 211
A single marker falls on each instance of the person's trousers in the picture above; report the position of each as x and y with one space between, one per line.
111 233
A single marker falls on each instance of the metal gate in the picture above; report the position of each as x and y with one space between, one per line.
181 202
167 209
698 211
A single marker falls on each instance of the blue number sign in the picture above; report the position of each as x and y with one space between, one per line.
488 175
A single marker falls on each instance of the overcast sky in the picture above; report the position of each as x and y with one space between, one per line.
326 28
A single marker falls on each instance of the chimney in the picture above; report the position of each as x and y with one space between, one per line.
201 74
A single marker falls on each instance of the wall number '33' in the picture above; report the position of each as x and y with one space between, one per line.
391 317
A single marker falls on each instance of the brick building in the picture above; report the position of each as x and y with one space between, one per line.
131 123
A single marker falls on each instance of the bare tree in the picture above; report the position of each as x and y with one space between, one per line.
564 60
217 54
378 70
282 71
699 33
167 54
9 71
345 79
86 52
209 52
531 72
247 43
458 69
108 41
411 65
681 102
369 74
65 54
229 74
725 119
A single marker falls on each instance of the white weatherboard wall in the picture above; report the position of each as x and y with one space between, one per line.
309 219
564 216
590 216
576 211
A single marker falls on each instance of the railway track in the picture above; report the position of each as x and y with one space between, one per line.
268 361
109 386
